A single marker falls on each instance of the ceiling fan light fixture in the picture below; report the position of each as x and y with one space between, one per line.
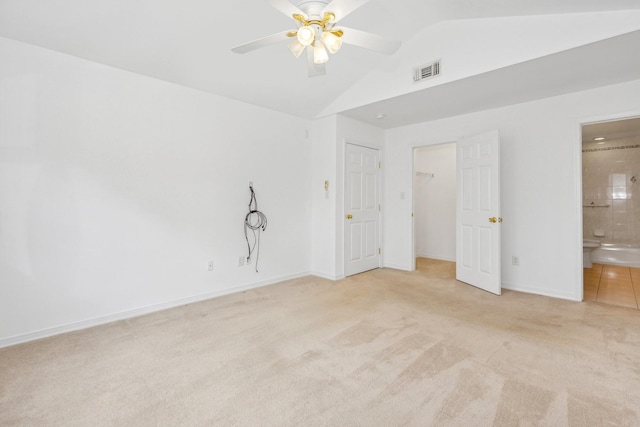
331 41
320 55
315 32
306 35
296 48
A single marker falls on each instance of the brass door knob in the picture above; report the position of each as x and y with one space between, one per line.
493 219
349 216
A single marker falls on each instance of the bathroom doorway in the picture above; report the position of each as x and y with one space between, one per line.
611 212
434 203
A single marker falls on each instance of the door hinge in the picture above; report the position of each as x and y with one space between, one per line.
379 251
379 165
379 208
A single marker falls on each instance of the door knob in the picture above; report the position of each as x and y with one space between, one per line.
349 216
493 219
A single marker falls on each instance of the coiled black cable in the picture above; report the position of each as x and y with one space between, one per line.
255 221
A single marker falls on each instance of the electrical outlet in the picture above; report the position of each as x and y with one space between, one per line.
515 260
210 266
249 261
240 260
250 183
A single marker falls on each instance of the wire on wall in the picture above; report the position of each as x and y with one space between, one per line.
255 221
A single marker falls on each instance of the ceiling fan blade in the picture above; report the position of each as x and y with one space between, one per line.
342 8
314 69
265 41
285 7
370 41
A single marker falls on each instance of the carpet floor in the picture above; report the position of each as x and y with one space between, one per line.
382 348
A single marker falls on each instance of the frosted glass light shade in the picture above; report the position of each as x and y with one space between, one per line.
331 41
296 48
320 55
306 35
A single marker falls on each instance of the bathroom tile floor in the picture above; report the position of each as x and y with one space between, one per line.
613 285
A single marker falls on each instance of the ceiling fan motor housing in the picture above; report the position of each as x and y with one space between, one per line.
313 8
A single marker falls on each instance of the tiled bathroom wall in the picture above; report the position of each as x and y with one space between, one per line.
611 190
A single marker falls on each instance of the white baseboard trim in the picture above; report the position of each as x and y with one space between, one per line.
84 324
438 257
538 291
328 276
398 267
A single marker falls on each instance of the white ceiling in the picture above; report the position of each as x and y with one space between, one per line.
593 65
188 43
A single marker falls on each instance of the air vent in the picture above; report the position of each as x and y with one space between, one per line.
426 71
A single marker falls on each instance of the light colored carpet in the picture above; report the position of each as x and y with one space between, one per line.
382 348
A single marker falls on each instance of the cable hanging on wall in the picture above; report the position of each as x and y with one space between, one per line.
255 221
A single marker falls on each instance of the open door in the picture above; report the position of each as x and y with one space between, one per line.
478 218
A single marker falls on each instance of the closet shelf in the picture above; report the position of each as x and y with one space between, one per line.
595 206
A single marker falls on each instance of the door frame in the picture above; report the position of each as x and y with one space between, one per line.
340 201
579 272
413 194
412 186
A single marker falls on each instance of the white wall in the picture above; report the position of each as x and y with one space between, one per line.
541 188
117 189
434 202
323 220
329 136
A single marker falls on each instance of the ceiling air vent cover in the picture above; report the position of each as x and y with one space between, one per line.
426 71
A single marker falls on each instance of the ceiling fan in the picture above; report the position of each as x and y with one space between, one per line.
316 32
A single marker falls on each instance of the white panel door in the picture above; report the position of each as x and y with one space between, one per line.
478 212
361 232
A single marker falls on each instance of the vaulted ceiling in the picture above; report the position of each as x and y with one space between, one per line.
189 43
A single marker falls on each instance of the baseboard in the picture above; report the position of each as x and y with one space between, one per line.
327 276
538 291
84 324
398 267
438 257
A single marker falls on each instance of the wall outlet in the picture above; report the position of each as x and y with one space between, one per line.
240 260
210 266
249 260
515 260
